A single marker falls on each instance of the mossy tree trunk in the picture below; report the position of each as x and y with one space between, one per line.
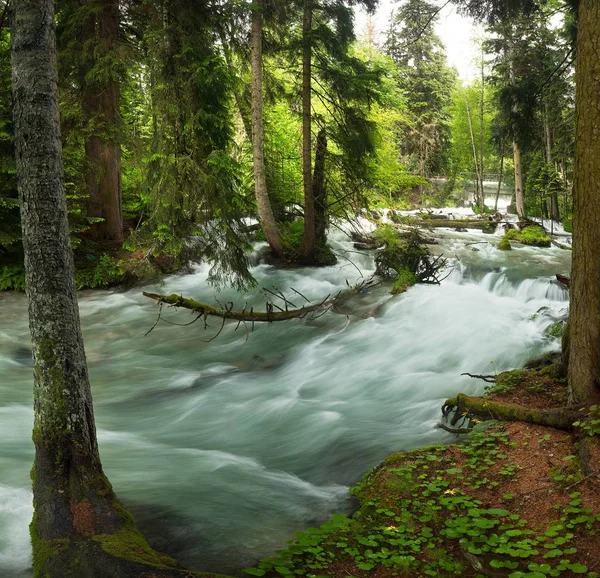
101 103
79 528
584 321
265 213
309 204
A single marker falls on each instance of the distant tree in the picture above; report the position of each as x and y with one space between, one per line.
92 67
427 80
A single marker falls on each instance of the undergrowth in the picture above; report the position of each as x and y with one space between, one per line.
419 517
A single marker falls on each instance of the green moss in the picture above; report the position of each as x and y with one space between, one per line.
504 244
405 280
555 330
568 225
534 236
128 544
43 550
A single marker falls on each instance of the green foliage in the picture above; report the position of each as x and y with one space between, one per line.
428 81
532 235
542 182
591 423
292 239
404 280
504 244
401 254
12 278
105 273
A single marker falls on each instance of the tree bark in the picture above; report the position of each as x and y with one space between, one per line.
478 191
519 198
584 328
501 174
309 205
101 103
481 132
79 527
554 209
265 213
319 189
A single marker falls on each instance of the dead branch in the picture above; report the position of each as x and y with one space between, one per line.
229 313
486 378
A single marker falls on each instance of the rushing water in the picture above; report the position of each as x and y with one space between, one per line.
224 449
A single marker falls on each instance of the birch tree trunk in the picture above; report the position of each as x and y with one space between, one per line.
478 180
265 213
79 527
584 329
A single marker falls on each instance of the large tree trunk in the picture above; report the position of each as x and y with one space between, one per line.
79 527
309 205
584 327
101 101
519 198
265 213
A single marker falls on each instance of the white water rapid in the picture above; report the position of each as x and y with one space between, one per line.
224 450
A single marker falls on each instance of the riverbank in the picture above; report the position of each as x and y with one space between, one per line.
512 500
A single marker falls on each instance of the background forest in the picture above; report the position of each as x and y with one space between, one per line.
183 118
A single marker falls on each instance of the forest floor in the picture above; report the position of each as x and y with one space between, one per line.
510 500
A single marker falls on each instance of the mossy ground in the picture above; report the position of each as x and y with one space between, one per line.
532 235
513 500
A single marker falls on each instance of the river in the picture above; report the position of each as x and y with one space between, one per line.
224 449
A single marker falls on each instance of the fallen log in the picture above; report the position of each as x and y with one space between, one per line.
249 316
456 224
466 406
564 280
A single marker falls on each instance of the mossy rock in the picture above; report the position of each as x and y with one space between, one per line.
534 236
504 244
405 280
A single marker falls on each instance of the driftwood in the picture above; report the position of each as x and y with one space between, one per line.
250 316
564 280
465 406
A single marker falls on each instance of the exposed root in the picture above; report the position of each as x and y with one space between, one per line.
464 406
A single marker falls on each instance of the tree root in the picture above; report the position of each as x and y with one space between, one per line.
465 406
